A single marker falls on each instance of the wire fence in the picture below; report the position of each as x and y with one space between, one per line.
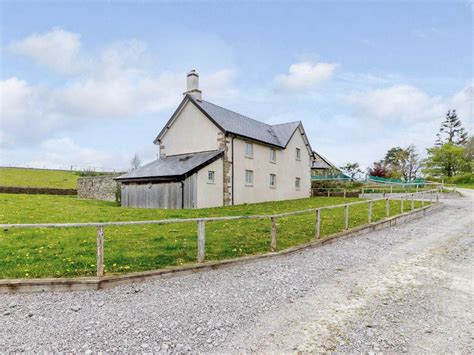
407 202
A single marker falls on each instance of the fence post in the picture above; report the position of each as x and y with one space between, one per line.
391 189
422 199
344 193
431 197
346 221
437 196
412 202
100 250
401 204
329 193
318 223
387 207
363 190
274 234
370 212
416 187
201 241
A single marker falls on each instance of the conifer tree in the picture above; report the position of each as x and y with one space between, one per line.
451 131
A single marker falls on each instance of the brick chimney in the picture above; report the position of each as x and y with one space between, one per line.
193 85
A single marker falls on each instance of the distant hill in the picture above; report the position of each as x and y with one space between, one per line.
60 179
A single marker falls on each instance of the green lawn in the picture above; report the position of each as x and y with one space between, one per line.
71 251
38 178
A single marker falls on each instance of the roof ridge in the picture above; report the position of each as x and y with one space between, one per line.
250 118
280 124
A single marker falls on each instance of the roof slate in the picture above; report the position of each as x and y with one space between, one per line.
172 166
233 122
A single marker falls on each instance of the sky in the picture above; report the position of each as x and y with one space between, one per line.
91 84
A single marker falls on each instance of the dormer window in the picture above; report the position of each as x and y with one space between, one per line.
298 154
248 150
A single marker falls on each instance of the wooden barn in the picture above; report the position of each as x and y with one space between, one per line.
169 182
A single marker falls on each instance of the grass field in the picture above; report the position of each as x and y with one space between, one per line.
71 251
38 178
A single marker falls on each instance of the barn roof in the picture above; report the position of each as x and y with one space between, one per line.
174 167
322 162
232 122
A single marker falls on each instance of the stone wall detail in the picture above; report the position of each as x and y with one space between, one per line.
99 188
225 145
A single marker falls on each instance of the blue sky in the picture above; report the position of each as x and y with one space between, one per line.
91 84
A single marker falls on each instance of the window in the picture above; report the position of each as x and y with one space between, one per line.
273 155
297 183
298 154
273 178
248 150
249 177
211 177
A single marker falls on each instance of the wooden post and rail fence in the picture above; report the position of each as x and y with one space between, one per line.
376 188
201 222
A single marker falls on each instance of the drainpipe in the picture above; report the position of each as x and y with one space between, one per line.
182 194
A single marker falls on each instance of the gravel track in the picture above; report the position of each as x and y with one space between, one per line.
404 289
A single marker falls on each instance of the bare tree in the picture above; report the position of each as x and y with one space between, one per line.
351 169
135 162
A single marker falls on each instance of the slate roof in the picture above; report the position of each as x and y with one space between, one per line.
241 125
321 162
233 122
173 167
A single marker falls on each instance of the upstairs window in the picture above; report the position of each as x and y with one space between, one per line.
248 150
249 177
211 177
273 180
273 155
298 154
297 183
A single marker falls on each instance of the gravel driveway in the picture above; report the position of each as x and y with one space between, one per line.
404 289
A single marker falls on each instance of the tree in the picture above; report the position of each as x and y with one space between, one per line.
469 149
379 169
446 160
351 169
135 162
402 162
412 163
451 130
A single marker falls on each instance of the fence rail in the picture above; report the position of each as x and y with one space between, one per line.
201 229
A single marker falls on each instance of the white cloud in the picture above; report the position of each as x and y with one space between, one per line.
57 49
115 84
397 103
25 111
304 76
463 102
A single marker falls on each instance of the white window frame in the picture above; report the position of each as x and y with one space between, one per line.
249 150
297 183
273 181
213 180
298 154
273 155
248 177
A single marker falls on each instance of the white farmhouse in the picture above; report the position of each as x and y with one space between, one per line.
211 156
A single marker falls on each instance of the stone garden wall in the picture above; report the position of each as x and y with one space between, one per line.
99 188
